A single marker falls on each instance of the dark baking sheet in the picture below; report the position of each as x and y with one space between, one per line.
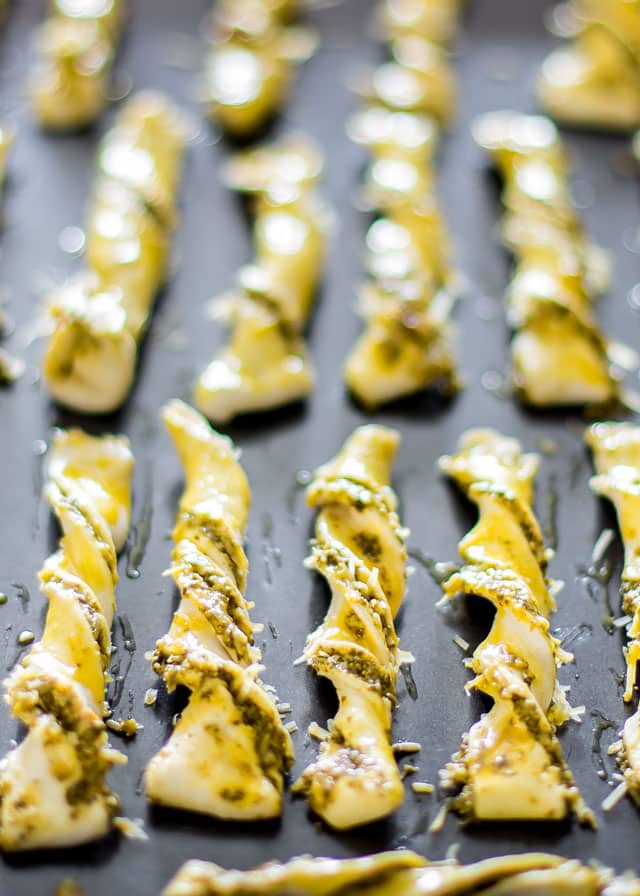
501 46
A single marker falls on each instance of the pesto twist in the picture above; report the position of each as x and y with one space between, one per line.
265 363
229 750
359 549
53 789
76 49
510 765
406 302
403 872
100 316
251 63
559 354
593 79
616 453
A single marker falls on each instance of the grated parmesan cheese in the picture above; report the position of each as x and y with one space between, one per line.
438 822
422 787
461 643
131 828
318 731
406 746
618 793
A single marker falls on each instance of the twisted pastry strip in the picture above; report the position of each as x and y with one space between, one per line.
435 20
77 45
559 355
251 63
359 549
6 141
510 765
10 368
265 363
53 790
405 343
594 81
229 751
616 451
403 872
101 315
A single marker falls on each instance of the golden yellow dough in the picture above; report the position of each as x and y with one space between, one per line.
616 453
265 364
251 64
53 789
405 344
510 765
559 355
594 79
359 549
76 49
229 751
100 315
404 873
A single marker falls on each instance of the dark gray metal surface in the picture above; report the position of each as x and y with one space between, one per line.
496 61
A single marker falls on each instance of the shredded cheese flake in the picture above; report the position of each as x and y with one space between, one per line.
422 787
317 731
407 746
617 794
461 643
131 828
438 822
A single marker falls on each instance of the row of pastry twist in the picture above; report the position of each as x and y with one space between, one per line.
594 81
230 751
560 356
247 75
359 546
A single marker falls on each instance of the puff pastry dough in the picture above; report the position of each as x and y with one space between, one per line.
53 789
616 452
77 45
100 316
252 61
403 872
405 346
559 354
359 549
435 20
510 765
229 751
594 80
265 363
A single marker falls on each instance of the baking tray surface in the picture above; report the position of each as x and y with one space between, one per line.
501 46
